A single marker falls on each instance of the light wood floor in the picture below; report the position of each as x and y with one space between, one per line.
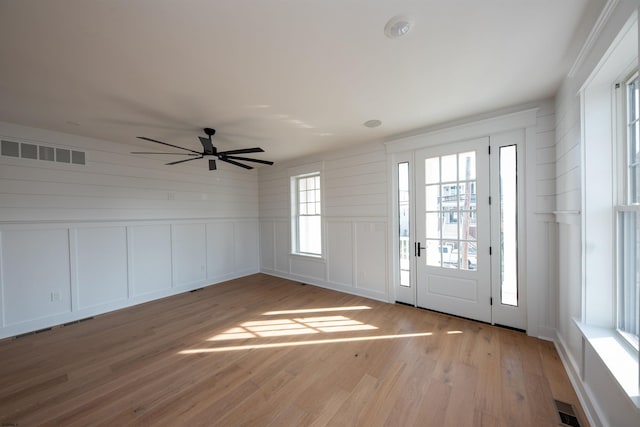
261 351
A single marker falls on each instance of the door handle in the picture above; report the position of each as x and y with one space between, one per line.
417 247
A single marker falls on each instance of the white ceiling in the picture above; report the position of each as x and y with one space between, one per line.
292 76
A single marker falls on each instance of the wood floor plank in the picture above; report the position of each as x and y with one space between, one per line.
262 350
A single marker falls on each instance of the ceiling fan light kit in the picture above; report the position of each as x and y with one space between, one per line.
209 150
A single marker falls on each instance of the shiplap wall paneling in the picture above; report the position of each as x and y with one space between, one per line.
115 185
101 254
247 247
340 252
371 257
189 254
356 183
220 253
35 274
150 258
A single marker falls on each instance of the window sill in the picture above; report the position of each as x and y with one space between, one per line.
617 355
310 257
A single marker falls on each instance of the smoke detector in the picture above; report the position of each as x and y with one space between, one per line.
398 26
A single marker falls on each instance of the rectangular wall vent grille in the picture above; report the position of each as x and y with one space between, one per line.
28 151
42 152
10 148
567 414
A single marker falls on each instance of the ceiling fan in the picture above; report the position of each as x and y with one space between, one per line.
210 151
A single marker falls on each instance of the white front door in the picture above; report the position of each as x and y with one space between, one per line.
458 253
453 229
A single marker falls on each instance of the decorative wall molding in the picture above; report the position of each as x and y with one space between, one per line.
471 130
54 273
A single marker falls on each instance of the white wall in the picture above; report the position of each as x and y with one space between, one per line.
541 227
355 223
79 240
602 397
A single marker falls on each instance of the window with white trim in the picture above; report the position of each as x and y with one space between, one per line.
306 213
628 215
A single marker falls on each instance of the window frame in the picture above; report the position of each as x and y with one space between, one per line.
295 178
624 202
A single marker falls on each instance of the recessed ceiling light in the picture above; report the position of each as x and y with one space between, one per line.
398 26
372 123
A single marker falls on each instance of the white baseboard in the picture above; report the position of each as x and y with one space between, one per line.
328 285
585 397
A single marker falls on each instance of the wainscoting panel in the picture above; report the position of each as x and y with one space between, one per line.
267 242
150 258
101 254
247 249
220 257
189 254
340 252
283 243
35 274
371 257
306 267
355 258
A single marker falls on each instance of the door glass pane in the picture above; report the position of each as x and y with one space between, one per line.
508 226
433 225
450 224
467 166
403 221
432 170
449 194
449 168
468 256
467 225
432 198
449 251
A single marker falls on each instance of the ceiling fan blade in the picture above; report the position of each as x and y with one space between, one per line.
233 162
155 152
167 144
247 159
207 145
182 161
212 165
243 151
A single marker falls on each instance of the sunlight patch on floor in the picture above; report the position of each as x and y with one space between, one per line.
316 310
297 326
303 343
